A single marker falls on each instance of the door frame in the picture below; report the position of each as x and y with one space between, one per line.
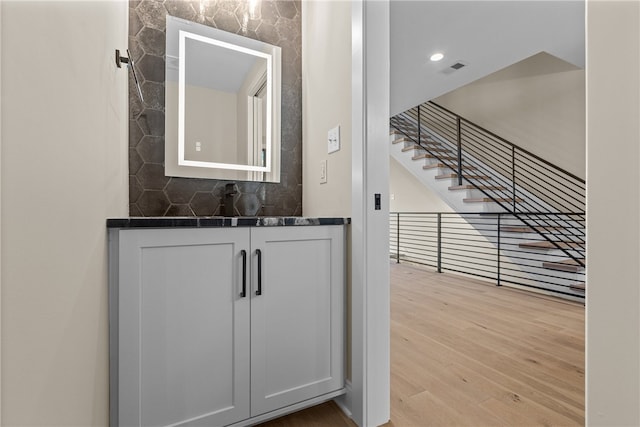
1 7
369 395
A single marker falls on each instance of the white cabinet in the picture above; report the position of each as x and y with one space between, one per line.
183 343
216 326
297 323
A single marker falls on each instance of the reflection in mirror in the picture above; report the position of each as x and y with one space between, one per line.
222 105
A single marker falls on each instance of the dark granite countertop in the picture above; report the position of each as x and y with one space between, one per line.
220 221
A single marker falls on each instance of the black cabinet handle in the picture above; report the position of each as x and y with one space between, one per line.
259 254
244 273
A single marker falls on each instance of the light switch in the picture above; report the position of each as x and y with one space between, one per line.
323 172
198 146
333 139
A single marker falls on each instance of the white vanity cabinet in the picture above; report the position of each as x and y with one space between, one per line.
224 326
297 323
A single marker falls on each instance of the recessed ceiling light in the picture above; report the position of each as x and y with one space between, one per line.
436 57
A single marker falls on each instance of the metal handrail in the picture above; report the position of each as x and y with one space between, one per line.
487 247
550 184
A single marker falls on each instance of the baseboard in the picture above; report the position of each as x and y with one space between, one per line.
344 401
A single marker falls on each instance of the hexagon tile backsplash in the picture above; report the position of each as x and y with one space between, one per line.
151 193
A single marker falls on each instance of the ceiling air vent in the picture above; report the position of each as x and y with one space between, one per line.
454 67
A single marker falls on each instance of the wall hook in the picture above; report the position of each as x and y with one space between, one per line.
121 59
129 61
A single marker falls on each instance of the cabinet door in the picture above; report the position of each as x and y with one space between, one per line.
184 327
297 322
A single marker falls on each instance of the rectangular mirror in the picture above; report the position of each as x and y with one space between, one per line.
222 105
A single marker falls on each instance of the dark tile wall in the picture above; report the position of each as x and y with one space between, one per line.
151 193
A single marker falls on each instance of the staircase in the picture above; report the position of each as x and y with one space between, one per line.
476 171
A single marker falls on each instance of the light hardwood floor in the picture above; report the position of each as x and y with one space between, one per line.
468 353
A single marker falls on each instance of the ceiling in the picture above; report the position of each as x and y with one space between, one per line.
486 36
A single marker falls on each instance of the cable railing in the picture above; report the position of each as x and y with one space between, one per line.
518 181
493 246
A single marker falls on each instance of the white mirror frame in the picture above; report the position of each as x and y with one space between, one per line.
176 164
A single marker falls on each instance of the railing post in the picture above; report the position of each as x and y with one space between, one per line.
499 284
398 238
513 176
459 134
439 242
419 127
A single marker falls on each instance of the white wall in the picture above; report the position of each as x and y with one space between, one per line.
407 194
613 211
538 104
344 60
326 103
64 171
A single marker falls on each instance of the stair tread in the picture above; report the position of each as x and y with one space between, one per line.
431 156
550 245
408 132
406 128
578 286
568 261
488 199
423 152
527 229
455 175
568 264
434 166
480 187
411 131
400 139
442 165
516 229
431 146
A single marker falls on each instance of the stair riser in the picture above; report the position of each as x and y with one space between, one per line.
483 220
535 266
482 207
451 182
532 237
434 151
471 194
551 254
552 235
438 171
432 161
568 269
